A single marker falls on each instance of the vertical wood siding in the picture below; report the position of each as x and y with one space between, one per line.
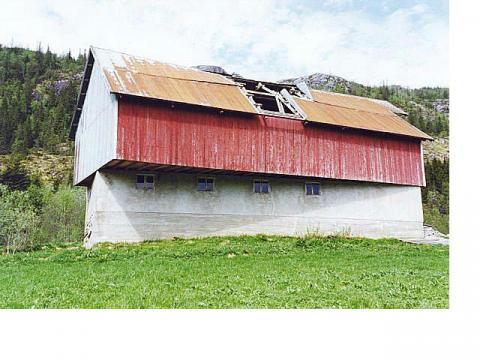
157 134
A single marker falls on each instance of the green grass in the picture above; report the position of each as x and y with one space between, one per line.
229 272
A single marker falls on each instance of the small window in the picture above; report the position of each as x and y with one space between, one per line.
205 184
145 181
261 187
312 188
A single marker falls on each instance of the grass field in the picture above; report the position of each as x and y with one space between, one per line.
229 272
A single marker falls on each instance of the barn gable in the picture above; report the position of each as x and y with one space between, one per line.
96 130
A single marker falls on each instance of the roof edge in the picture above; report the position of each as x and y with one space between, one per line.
87 72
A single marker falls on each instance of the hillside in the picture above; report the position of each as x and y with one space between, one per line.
38 91
49 168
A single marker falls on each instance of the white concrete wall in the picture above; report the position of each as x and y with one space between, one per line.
96 137
117 211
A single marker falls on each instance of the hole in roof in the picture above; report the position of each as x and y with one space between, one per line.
273 98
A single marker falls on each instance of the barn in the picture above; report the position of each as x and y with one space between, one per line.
169 151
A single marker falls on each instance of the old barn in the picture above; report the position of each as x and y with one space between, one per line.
169 151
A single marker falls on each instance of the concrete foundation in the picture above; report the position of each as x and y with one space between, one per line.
119 212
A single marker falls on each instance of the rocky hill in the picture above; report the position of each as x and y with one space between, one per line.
436 149
324 82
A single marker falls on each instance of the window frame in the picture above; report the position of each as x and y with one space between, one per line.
263 181
206 182
143 186
312 183
272 100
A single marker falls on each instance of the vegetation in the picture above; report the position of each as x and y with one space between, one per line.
40 215
435 195
230 272
38 91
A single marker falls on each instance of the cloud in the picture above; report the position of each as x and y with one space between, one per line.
267 39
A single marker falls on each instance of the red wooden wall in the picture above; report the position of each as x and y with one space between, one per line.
155 133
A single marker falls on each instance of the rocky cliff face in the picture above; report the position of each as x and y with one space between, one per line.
441 105
436 149
324 82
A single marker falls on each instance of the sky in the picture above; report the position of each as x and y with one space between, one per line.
371 42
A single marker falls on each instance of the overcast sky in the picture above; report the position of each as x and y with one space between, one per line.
372 42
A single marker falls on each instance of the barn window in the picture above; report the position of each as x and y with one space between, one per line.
205 184
261 187
312 188
145 181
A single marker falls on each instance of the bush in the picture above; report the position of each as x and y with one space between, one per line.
62 217
18 220
39 215
439 221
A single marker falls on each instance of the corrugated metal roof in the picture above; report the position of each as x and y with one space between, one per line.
132 75
355 112
348 101
126 74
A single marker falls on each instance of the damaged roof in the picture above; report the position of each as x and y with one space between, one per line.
131 75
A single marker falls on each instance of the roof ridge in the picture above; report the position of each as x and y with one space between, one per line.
352 96
185 67
352 108
180 78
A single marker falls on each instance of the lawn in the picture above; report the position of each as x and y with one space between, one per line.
229 272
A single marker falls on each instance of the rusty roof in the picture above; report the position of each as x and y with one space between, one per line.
131 75
355 112
348 101
127 74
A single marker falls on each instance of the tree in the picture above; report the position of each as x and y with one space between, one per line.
15 176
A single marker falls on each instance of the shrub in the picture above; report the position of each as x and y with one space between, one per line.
439 221
18 220
62 216
39 215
